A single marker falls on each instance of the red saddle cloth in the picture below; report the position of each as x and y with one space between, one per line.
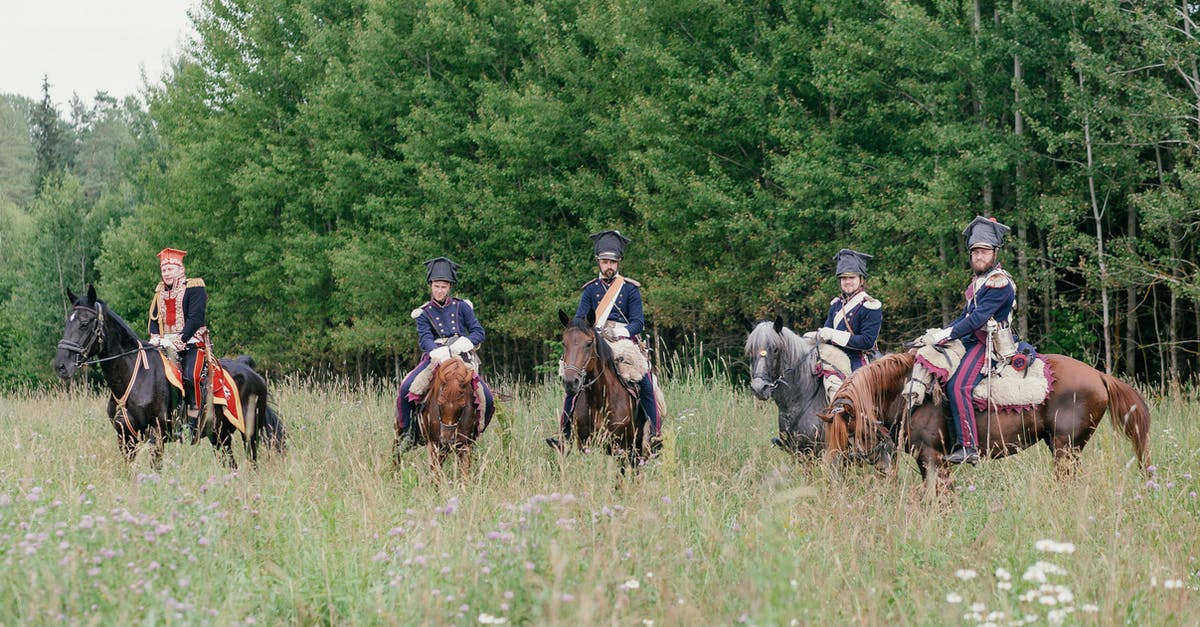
224 388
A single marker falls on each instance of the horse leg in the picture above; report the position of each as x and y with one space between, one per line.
464 460
222 441
156 447
1066 456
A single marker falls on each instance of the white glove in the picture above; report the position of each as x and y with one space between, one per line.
620 331
156 340
439 354
826 334
841 338
461 345
936 336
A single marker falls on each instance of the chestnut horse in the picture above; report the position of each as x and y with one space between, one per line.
448 418
604 408
869 412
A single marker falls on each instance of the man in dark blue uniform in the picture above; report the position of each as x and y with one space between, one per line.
854 317
991 296
623 321
446 327
177 321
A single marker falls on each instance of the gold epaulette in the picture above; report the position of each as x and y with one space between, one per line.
194 283
632 282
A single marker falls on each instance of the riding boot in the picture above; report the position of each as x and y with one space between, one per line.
964 455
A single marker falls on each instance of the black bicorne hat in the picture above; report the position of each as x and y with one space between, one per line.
609 245
441 269
985 232
851 262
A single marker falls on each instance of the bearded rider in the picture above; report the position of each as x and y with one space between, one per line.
990 296
624 322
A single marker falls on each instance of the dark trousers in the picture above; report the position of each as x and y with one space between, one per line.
187 362
959 388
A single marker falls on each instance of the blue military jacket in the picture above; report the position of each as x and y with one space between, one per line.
991 295
862 320
627 309
454 317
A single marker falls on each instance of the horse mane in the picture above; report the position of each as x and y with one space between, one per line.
866 393
794 348
120 322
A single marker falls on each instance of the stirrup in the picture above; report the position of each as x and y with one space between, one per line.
961 455
555 443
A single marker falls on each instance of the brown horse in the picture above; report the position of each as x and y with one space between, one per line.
604 408
448 418
869 411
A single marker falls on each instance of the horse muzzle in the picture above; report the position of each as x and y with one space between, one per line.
762 388
65 364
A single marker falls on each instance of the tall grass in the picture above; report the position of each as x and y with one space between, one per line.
720 529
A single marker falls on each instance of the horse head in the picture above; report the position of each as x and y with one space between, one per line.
83 333
764 348
450 398
580 352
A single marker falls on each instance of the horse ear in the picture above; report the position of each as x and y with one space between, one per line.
562 317
778 323
591 318
91 294
71 296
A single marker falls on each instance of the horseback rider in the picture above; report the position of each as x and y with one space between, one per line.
854 317
446 327
617 301
177 323
990 298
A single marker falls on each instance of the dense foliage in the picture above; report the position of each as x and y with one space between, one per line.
309 154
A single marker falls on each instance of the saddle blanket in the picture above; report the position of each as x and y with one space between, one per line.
224 389
1010 389
832 361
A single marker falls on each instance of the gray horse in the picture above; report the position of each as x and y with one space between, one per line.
782 368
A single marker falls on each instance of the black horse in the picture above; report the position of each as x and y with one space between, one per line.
140 404
782 368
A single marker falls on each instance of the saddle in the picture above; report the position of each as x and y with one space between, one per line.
224 388
1009 388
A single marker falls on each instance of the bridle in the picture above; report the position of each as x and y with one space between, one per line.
583 371
95 340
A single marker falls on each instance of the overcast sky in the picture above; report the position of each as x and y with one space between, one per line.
88 45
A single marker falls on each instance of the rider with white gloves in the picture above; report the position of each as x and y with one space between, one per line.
446 328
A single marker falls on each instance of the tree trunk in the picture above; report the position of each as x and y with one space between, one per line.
1097 216
1022 222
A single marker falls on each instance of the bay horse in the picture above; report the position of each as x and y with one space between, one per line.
869 412
782 368
139 403
448 418
605 410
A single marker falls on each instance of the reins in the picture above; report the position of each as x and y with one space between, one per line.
97 339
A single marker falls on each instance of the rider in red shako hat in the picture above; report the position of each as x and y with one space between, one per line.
177 322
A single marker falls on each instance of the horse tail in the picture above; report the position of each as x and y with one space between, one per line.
1130 414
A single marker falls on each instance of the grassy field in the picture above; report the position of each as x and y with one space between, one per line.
721 529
